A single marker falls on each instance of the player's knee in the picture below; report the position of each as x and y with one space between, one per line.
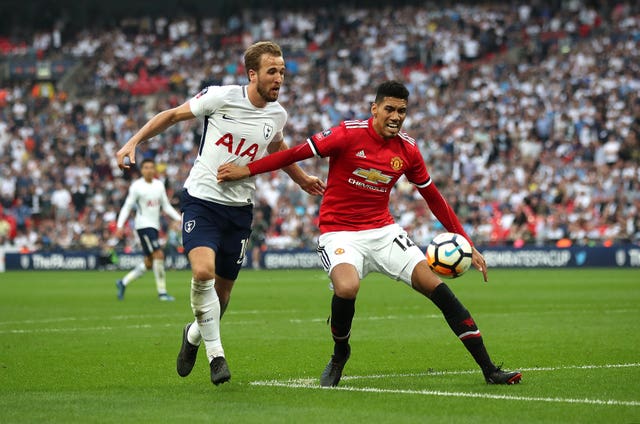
202 273
424 280
346 291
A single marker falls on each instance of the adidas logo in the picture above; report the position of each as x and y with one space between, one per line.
361 154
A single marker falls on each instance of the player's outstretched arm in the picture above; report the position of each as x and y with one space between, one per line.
126 156
311 184
280 159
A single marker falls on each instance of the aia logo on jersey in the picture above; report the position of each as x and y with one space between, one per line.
190 225
239 148
319 136
396 163
268 130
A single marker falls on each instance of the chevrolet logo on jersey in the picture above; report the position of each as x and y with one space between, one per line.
372 176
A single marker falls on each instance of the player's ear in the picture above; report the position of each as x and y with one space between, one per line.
374 108
253 75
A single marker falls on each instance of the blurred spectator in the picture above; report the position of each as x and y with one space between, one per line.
61 200
8 228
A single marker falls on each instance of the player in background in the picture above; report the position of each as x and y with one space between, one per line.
241 123
148 197
358 233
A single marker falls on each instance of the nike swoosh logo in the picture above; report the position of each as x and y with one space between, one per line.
448 253
227 117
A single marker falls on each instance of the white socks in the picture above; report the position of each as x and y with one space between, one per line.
193 334
136 272
158 272
206 308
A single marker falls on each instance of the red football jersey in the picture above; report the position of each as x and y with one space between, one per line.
363 168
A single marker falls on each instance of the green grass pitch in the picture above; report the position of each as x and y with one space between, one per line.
71 353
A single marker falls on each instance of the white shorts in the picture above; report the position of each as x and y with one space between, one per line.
387 250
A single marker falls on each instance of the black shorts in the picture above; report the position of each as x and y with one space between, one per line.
149 240
225 229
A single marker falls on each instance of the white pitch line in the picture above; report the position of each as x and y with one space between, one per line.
308 383
85 318
140 317
427 373
453 394
75 329
439 316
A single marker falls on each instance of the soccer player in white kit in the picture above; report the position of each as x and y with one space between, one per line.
148 197
240 124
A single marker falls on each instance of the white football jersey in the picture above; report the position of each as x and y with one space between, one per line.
234 131
148 199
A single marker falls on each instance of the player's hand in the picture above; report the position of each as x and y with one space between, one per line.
232 172
313 185
126 156
477 260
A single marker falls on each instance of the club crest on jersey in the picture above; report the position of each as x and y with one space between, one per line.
190 225
339 251
396 163
372 175
268 130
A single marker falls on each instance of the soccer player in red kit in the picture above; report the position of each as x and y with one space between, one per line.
359 234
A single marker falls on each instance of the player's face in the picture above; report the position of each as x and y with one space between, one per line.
269 77
148 171
388 116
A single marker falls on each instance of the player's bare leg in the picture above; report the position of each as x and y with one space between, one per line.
223 289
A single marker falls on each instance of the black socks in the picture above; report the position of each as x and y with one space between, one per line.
463 325
342 312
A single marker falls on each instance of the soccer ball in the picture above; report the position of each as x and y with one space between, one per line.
449 255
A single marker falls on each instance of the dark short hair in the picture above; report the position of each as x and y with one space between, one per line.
253 54
147 160
391 88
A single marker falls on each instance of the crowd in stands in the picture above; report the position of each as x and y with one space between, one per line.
528 118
